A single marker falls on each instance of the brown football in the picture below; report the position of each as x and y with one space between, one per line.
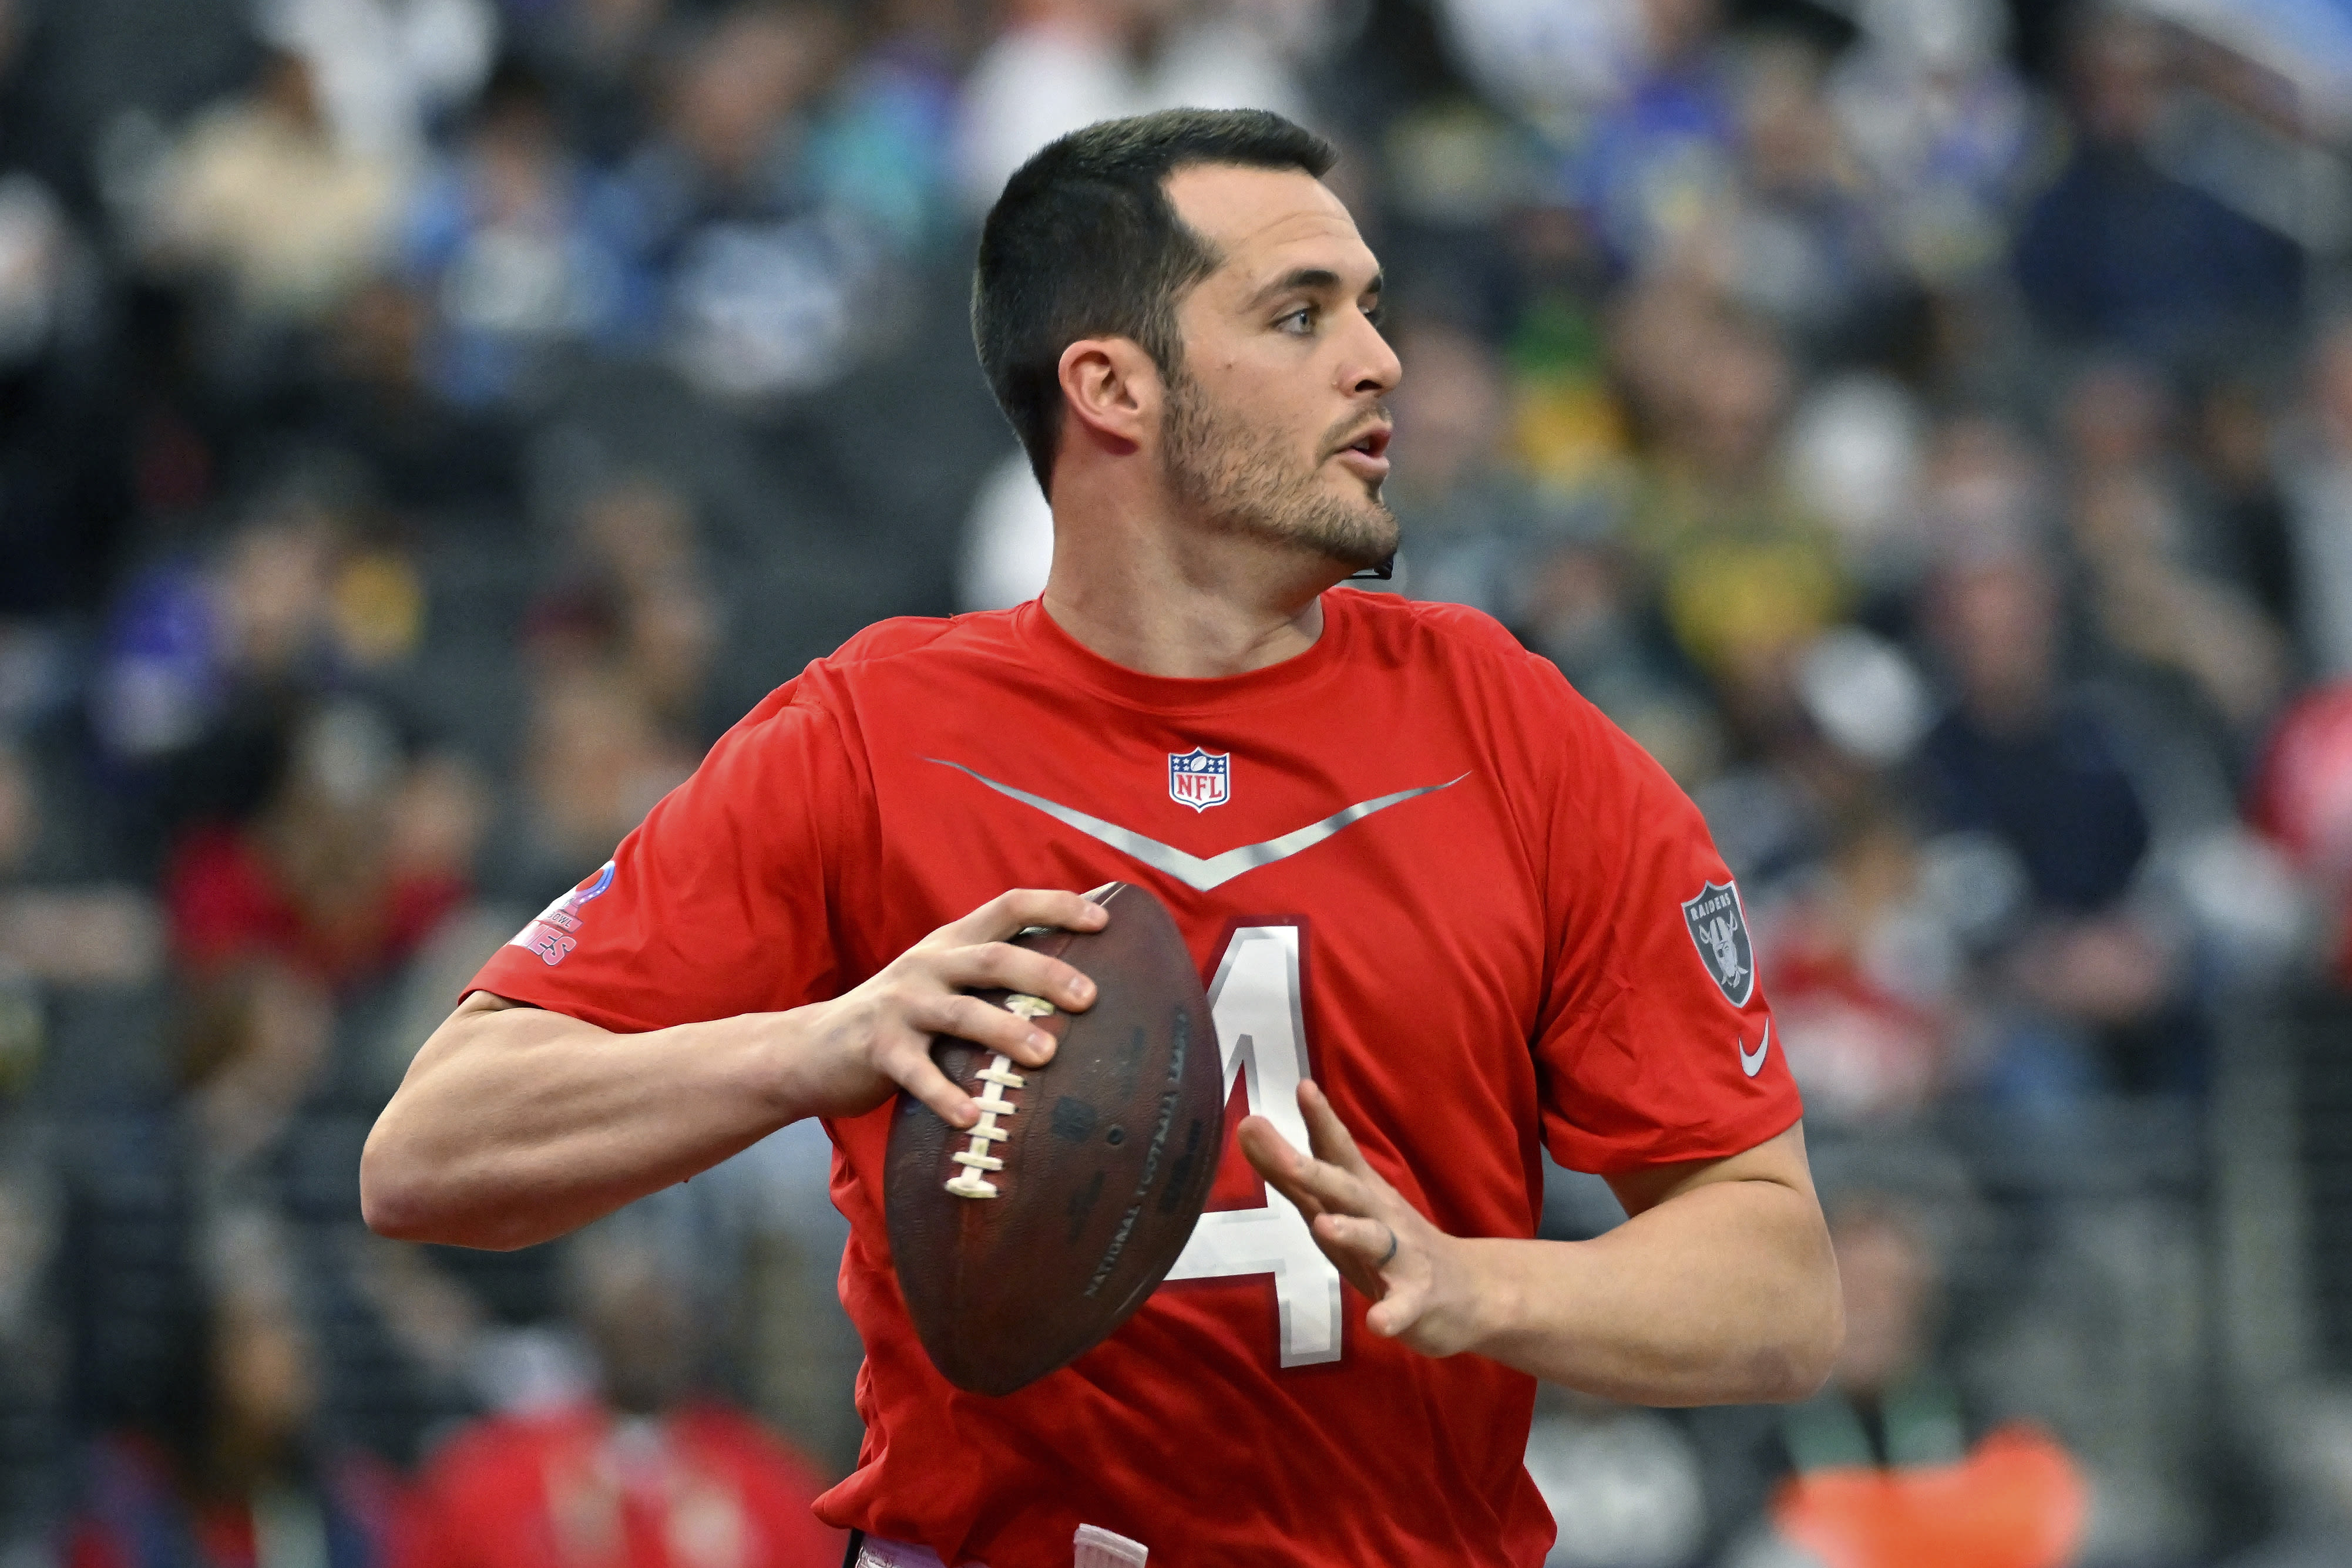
1023 1242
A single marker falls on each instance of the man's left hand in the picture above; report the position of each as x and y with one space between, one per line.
1417 1277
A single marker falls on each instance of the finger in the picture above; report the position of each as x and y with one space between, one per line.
1374 1245
1002 965
1309 1183
1398 1311
1274 1158
1327 1136
910 1065
1008 914
986 1026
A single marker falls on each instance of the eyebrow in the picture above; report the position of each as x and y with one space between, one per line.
1311 280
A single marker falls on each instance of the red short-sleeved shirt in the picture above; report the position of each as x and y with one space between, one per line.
1410 862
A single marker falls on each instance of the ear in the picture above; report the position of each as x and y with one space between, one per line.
1112 390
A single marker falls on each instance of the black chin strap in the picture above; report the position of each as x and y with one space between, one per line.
1381 573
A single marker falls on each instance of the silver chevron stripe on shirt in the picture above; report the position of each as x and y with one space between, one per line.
1191 870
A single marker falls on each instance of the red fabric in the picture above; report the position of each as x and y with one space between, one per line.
1498 961
225 902
2018 1501
702 1489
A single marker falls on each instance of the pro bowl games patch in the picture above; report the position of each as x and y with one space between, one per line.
1719 929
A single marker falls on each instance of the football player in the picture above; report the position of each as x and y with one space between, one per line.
1448 915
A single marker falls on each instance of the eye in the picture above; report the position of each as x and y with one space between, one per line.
1376 313
1299 323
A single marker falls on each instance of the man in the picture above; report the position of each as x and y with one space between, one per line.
1421 871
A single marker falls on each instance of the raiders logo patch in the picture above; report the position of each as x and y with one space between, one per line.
1719 930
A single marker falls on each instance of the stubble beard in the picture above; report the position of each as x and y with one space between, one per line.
1248 481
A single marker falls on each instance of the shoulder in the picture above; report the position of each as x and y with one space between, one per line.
1471 651
906 637
823 693
894 638
1427 628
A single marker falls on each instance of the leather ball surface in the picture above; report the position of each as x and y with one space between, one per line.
1106 1162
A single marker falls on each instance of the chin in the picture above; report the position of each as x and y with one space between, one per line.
1365 537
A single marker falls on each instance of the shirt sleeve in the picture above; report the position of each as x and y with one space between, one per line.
719 904
1655 1043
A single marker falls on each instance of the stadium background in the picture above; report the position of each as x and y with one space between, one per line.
1923 423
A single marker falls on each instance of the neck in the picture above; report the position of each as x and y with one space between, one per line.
1161 594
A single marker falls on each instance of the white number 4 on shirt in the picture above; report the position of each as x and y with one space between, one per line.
1260 1026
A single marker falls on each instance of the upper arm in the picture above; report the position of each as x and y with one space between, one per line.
1779 1160
1654 1042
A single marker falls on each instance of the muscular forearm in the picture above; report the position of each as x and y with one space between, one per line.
516 1125
1724 1294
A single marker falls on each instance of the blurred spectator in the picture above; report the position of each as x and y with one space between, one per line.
1744 577
1857 454
1064 64
648 1474
1941 125
385 70
2154 569
2242 489
384 396
518 243
1888 1467
1868 975
261 192
1803 247
1662 158
1551 61
594 54
638 607
2032 769
757 207
620 655
597 759
254 1038
311 592
2118 253
354 857
1470 516
230 1472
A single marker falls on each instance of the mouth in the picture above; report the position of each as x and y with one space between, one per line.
1368 454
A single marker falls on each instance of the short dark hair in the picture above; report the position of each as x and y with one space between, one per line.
1085 243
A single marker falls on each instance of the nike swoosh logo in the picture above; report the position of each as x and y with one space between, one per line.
1190 870
1752 1065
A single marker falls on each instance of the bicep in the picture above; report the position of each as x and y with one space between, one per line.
1779 1160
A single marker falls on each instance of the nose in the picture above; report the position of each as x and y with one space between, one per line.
1373 368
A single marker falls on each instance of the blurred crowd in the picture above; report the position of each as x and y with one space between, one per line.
424 424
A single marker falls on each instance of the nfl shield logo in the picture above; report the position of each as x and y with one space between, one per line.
1200 779
1720 930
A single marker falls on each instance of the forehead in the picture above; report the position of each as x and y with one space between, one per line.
1267 221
